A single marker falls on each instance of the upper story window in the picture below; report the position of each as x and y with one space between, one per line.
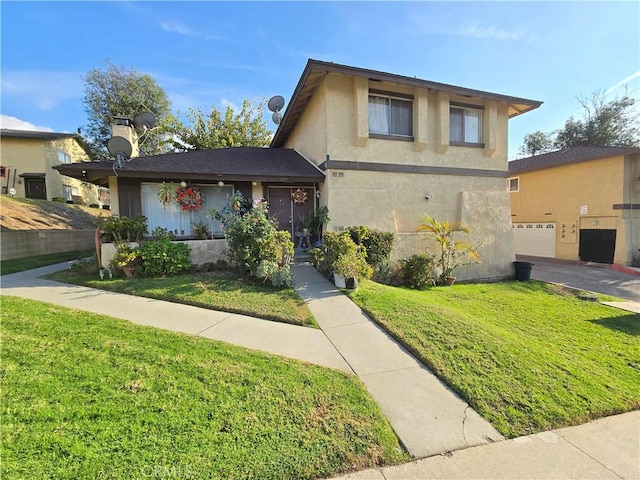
64 157
465 125
514 184
390 115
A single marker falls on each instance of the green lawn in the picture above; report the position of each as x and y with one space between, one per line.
29 263
527 356
87 396
226 291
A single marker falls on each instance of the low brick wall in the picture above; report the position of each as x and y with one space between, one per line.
200 251
29 243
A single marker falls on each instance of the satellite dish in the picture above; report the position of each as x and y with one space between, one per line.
144 121
276 103
120 148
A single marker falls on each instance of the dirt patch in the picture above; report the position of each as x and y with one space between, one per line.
28 214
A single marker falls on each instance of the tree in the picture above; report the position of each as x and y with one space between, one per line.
217 130
536 142
605 124
111 91
614 123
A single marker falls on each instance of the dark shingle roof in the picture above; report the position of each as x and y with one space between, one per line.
565 157
316 70
7 132
226 164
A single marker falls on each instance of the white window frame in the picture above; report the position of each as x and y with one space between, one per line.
64 157
387 127
470 114
517 183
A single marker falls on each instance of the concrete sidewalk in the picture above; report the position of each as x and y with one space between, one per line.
430 420
426 415
608 448
302 343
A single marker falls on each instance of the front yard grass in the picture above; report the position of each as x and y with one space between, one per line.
21 264
227 291
528 356
88 396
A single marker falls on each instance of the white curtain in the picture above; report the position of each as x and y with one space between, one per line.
472 126
378 115
173 218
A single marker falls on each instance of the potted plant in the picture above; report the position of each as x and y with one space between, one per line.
320 217
452 253
307 223
166 196
351 266
126 258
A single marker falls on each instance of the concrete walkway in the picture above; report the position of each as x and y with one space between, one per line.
302 343
608 448
430 420
426 415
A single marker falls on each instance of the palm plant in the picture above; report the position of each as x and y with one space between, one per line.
166 196
451 251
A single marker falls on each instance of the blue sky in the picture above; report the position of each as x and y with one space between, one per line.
218 53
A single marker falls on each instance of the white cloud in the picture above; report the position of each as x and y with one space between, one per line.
181 28
42 88
476 30
14 123
622 83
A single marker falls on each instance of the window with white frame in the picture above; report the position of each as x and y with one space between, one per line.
465 125
64 157
68 191
173 218
390 115
514 184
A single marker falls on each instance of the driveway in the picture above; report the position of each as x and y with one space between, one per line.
596 278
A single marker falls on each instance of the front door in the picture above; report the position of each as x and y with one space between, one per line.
35 188
286 204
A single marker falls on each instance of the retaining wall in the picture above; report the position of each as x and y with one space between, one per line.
29 243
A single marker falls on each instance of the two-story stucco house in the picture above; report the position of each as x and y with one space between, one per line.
377 149
27 159
582 203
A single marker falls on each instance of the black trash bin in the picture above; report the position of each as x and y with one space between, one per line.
523 270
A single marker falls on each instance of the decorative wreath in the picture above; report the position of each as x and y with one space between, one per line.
189 197
299 196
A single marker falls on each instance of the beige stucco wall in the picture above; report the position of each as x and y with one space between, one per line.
29 155
337 118
582 192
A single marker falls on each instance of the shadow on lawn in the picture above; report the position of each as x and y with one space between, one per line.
629 324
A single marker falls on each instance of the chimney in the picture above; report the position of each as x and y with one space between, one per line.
123 127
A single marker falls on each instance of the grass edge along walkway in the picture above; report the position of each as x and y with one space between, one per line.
528 356
86 395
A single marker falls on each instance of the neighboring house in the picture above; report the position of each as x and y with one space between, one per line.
582 203
27 159
377 149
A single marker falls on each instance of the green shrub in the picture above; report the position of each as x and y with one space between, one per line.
416 271
57 199
201 230
164 257
377 242
94 205
255 244
339 253
123 228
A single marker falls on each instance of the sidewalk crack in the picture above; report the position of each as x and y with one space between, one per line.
464 419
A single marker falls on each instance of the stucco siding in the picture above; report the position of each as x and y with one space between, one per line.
310 135
579 192
396 202
27 155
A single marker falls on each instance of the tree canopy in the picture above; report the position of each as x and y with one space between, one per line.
111 91
613 123
218 129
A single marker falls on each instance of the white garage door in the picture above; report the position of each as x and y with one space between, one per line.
535 239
